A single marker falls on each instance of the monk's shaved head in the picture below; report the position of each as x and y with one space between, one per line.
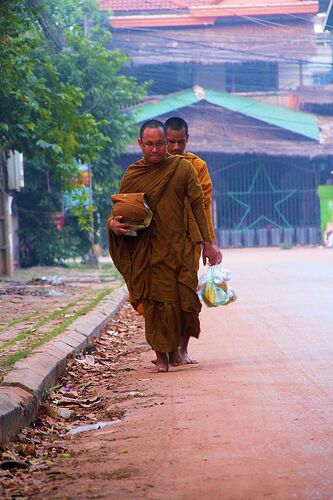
153 141
176 123
152 124
177 135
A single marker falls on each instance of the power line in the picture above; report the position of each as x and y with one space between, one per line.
258 38
154 34
264 22
304 19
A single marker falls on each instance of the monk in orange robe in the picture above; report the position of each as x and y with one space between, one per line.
159 264
177 138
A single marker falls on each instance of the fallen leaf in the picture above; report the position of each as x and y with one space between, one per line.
49 410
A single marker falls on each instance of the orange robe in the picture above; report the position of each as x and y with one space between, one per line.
159 264
200 166
192 229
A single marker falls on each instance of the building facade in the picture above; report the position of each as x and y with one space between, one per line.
261 60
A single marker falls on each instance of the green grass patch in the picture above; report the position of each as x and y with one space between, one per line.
55 315
17 321
81 266
286 246
11 359
109 272
107 266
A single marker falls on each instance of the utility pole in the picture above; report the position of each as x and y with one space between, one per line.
6 247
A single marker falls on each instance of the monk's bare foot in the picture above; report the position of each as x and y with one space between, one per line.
175 358
162 362
187 360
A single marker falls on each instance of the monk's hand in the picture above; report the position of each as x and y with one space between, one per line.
212 253
117 227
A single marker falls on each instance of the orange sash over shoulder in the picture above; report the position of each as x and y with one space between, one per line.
201 169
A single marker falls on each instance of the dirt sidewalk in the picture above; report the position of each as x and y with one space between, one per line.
38 303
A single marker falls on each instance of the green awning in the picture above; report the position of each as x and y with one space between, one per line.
304 124
170 103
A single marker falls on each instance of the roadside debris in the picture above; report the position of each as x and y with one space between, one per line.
54 293
92 427
135 394
86 360
93 393
65 413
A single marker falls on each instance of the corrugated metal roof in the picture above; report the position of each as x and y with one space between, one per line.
298 122
295 121
172 102
216 130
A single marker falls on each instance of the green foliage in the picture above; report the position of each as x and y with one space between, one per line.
286 246
44 244
87 64
40 241
61 97
40 112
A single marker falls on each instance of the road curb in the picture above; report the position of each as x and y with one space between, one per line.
23 387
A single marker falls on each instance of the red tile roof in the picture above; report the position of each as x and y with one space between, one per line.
153 5
166 13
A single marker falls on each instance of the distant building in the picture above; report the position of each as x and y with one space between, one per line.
266 164
259 119
267 46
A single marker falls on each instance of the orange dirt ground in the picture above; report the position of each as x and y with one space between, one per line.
253 420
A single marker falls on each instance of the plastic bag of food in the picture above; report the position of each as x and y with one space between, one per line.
214 289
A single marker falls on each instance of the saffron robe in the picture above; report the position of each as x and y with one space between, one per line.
158 264
200 166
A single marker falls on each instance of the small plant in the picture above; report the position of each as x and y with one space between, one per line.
286 246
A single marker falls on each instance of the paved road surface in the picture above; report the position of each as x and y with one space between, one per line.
254 420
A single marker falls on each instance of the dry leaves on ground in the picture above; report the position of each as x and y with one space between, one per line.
89 392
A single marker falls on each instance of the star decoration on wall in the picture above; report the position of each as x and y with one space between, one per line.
269 211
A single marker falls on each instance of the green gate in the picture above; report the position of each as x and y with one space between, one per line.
266 201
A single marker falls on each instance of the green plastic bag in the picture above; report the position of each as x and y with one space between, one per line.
214 289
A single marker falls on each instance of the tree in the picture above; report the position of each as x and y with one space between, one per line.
40 113
87 64
61 97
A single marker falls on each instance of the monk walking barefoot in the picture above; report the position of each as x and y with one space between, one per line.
184 355
162 363
158 263
177 138
175 358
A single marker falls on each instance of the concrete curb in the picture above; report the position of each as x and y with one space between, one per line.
23 387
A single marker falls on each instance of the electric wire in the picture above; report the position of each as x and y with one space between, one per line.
305 19
154 34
